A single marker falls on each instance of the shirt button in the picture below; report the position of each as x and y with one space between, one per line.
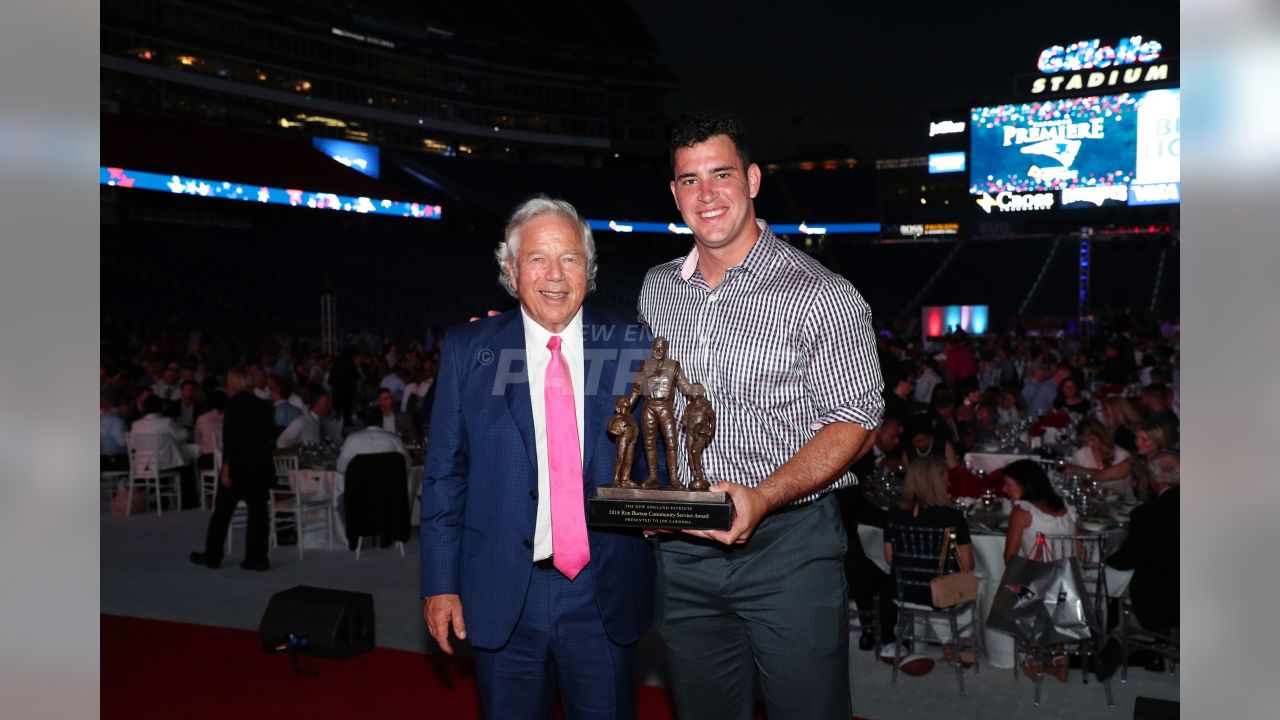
703 339
711 297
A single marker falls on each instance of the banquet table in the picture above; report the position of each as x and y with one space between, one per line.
988 554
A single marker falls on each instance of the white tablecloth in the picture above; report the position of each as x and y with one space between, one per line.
988 557
990 462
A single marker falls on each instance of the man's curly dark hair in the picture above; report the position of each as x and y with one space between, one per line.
703 126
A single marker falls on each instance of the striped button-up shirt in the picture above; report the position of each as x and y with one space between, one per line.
783 347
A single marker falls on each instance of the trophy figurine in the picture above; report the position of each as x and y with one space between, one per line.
699 427
649 505
624 429
658 379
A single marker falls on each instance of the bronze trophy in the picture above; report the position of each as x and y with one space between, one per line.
649 505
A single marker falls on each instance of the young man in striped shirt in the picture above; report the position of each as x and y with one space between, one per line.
786 352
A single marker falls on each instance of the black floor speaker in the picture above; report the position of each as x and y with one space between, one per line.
319 621
1145 708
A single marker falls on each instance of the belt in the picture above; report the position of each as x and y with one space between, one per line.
796 506
545 563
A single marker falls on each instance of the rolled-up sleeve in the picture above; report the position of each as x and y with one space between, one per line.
843 375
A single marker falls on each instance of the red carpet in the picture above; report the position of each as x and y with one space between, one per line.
156 669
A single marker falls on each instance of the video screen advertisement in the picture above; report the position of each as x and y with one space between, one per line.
1120 149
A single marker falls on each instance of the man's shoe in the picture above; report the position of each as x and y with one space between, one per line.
200 558
261 565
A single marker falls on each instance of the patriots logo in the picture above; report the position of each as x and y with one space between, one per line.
1024 593
1064 151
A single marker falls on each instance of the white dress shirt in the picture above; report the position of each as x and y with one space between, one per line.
305 429
925 384
538 357
369 441
171 437
420 389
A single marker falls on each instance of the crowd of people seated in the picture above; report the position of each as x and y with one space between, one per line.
362 401
942 400
316 397
1119 394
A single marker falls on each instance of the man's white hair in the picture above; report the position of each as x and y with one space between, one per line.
1166 468
508 251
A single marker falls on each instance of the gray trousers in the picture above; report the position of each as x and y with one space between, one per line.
776 605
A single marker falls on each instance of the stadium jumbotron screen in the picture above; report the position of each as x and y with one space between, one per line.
1122 148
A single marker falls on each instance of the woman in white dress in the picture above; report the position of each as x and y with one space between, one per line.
1037 509
1100 460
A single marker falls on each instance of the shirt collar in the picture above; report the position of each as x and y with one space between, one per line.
536 336
755 262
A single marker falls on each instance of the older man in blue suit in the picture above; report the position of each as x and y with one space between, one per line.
517 445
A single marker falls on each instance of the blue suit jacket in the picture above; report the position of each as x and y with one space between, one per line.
479 487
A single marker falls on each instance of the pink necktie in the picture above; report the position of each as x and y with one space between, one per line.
564 464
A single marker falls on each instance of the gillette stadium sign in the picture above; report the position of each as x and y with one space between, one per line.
1089 66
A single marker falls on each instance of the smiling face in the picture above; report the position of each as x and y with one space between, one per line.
714 193
550 273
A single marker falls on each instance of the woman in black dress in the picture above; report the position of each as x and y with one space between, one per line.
924 503
248 437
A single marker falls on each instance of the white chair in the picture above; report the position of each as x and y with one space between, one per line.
144 472
298 507
376 478
209 478
360 544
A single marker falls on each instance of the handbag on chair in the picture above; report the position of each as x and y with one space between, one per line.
1042 600
952 588
136 504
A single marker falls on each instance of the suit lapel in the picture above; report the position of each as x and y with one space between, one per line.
510 336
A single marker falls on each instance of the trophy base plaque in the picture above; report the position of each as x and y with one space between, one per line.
659 509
